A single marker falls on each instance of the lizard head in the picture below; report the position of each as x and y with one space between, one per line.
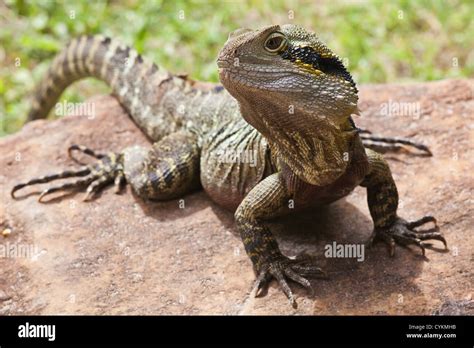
296 92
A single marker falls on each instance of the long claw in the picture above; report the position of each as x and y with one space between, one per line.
284 285
433 235
118 182
261 283
391 247
276 272
421 246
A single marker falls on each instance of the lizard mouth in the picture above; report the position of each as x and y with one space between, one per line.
224 72
223 63
226 69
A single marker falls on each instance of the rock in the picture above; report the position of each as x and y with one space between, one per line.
119 255
459 307
4 296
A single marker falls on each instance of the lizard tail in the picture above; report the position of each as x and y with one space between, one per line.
87 56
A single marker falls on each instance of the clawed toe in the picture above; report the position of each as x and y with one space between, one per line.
64 187
84 150
384 144
95 176
48 178
281 270
422 221
403 233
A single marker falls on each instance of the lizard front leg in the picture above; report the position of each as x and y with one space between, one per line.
167 170
266 200
382 197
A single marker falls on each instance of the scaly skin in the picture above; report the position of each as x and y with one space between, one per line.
285 113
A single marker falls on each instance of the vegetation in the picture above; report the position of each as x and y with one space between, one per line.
382 41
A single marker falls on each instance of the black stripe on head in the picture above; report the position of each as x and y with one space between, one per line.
334 66
328 65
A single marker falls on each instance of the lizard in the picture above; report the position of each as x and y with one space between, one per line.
284 98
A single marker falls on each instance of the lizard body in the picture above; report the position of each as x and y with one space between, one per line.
281 131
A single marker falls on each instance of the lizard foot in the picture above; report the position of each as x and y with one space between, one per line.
403 233
108 168
387 144
282 268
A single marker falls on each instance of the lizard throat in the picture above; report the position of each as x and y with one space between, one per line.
317 152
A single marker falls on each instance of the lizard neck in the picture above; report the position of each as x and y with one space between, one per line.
316 148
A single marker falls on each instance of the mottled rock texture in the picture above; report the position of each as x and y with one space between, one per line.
119 255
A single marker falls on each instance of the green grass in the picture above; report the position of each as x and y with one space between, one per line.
383 41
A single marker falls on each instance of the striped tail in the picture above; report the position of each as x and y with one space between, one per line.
92 56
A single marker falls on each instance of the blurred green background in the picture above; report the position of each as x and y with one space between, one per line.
383 41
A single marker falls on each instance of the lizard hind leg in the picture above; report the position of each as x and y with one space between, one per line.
166 171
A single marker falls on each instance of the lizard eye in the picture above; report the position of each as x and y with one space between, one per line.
276 42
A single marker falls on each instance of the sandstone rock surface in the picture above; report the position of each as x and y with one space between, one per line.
119 255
